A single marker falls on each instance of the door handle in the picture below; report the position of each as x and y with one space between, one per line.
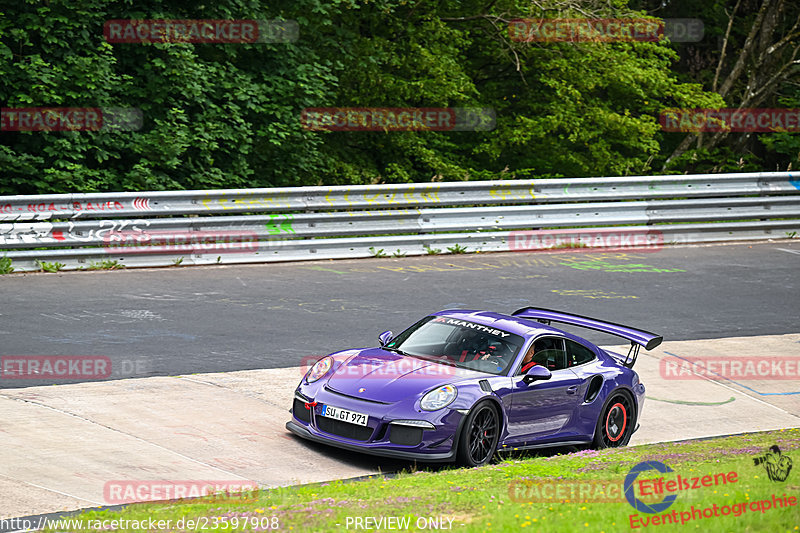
572 390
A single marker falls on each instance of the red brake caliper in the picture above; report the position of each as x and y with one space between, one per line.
624 422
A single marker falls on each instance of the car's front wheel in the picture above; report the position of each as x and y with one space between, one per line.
615 425
479 435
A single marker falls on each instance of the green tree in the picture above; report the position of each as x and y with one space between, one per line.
750 57
228 115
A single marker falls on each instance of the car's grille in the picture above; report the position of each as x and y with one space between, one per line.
405 435
381 432
343 429
300 412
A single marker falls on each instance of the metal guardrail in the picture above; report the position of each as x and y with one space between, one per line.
287 224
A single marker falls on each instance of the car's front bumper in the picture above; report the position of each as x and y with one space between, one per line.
305 432
436 443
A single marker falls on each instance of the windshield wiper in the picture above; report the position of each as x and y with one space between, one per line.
443 360
434 359
395 350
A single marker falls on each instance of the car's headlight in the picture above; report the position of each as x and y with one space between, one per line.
438 398
319 369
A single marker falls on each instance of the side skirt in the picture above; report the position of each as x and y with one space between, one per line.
546 445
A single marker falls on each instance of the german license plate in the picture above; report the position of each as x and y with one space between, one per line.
344 415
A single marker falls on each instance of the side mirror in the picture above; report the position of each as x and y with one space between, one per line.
536 373
385 337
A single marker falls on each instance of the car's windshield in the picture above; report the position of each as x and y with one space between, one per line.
460 343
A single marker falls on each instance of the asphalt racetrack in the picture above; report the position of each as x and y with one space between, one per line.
221 349
175 321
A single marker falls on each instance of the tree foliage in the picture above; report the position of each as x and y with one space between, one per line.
228 115
750 57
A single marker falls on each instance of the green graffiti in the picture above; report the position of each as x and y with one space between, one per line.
276 225
682 402
610 267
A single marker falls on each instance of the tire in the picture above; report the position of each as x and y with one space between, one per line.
615 425
479 436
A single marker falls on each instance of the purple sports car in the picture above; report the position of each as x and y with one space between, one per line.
463 385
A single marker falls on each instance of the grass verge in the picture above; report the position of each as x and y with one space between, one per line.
511 495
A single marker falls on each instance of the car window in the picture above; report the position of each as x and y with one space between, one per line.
428 339
548 352
460 343
578 354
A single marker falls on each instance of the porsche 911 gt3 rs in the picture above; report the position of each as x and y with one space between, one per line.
461 385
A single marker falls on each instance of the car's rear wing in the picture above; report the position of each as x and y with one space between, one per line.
638 337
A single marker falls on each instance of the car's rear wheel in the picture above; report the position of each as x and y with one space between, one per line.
615 425
479 436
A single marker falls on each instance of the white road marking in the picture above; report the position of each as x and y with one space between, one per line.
743 393
789 251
